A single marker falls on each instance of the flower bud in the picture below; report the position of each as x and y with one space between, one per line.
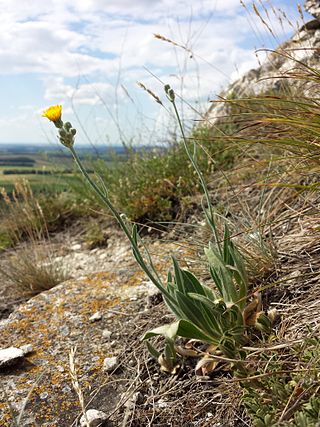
169 92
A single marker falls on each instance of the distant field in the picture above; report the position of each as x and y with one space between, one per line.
33 166
47 171
39 183
18 161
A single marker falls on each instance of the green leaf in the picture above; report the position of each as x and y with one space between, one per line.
189 308
187 329
135 234
209 292
170 352
191 283
172 303
204 299
226 243
178 275
152 350
182 328
169 331
217 281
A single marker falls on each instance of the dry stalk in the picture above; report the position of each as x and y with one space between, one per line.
76 384
154 96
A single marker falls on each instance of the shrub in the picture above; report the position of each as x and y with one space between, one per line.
155 186
30 266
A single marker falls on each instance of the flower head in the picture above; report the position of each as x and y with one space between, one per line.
66 132
53 113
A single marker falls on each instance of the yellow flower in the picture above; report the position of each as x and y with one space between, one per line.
53 113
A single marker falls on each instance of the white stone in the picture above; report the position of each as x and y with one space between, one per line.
26 348
94 418
110 363
44 395
106 334
76 247
9 356
96 316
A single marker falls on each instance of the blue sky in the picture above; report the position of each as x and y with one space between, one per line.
89 55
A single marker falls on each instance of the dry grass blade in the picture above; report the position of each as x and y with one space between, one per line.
154 96
31 269
76 384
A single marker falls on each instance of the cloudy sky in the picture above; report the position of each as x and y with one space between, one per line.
88 55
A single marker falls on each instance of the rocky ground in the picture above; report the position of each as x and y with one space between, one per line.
94 312
78 346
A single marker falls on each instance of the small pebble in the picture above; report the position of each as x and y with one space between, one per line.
65 330
76 247
66 389
110 363
96 317
106 334
94 418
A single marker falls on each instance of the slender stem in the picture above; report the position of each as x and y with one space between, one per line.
194 163
136 251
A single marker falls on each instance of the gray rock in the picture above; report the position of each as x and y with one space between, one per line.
65 331
94 418
96 317
10 356
106 334
110 363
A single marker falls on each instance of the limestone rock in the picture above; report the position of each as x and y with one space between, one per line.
57 320
313 7
76 247
94 418
303 47
10 356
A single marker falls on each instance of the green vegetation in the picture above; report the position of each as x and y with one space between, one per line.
228 317
156 186
285 395
268 153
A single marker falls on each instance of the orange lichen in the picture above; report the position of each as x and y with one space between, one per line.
42 328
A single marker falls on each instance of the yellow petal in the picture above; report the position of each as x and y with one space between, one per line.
53 113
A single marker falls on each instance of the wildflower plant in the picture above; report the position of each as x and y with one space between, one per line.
215 317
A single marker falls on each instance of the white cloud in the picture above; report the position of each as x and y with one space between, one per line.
103 44
85 93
